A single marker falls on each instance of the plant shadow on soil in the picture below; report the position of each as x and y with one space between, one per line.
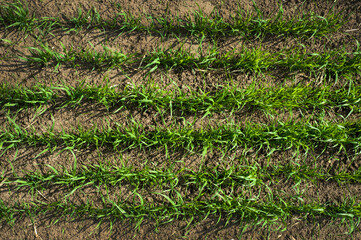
211 228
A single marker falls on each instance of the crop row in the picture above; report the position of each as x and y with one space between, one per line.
233 189
208 183
254 60
205 181
174 208
227 98
243 23
274 136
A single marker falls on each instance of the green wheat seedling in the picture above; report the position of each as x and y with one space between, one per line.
249 59
226 98
331 63
16 15
107 59
254 60
243 23
173 205
175 208
210 184
248 189
20 97
207 181
78 22
304 24
276 136
249 24
44 56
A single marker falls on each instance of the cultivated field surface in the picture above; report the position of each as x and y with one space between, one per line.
180 119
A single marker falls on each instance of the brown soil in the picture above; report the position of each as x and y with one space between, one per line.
52 226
